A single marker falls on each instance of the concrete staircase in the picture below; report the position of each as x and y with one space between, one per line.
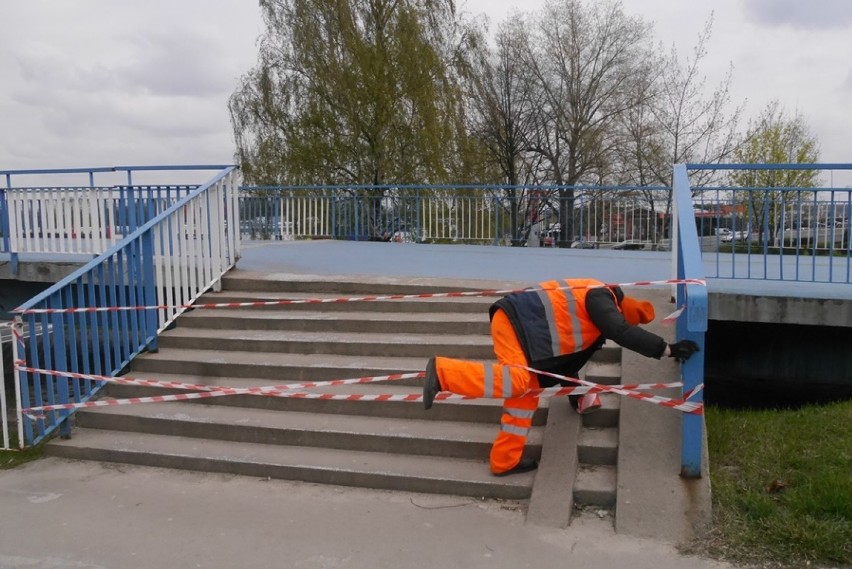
393 445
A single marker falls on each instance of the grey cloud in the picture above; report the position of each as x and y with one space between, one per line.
178 64
814 14
162 65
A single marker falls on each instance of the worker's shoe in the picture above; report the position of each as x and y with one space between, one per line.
525 465
431 384
588 403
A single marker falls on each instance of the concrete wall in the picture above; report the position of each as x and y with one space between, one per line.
781 309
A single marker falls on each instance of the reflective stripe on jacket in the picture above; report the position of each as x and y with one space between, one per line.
553 321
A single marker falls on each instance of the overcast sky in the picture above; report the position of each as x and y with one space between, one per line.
107 82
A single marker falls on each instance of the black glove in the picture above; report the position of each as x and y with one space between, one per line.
683 350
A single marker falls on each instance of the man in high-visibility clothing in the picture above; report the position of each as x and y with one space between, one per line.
555 328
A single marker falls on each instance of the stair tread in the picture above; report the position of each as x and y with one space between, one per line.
384 464
437 315
596 478
390 337
274 296
291 420
600 437
603 369
391 363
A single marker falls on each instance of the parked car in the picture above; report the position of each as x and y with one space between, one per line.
584 244
550 236
629 245
735 236
398 231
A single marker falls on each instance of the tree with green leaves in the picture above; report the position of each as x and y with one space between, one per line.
355 92
775 138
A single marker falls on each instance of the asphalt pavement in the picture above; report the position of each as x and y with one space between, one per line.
63 514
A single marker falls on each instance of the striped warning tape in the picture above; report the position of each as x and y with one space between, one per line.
684 405
129 380
258 304
296 390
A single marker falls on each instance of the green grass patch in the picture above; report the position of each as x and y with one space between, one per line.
782 485
14 458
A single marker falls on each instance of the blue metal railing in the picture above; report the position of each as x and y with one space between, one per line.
754 233
163 264
692 325
476 214
776 233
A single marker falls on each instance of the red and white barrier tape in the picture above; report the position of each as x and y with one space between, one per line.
294 391
679 404
128 380
258 304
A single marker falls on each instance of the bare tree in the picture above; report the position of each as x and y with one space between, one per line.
501 100
678 122
691 126
586 61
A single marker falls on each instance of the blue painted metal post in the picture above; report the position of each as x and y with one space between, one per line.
693 324
13 255
333 198
417 233
56 340
694 297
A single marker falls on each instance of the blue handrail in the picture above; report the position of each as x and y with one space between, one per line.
693 324
103 342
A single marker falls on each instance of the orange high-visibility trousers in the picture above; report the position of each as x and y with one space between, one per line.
498 381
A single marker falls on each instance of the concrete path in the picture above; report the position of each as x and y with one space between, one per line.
61 514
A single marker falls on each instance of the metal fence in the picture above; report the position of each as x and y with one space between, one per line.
790 234
518 215
81 220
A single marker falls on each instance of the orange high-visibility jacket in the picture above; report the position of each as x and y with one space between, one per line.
552 322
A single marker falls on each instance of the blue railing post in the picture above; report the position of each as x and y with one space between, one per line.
417 233
693 324
333 207
13 255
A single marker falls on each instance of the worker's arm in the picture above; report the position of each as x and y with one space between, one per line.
602 310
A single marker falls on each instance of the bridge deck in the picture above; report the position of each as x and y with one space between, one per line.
512 264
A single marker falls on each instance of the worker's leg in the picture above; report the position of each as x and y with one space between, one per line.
480 379
518 412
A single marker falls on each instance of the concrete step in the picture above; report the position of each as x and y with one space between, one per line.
603 371
607 415
609 353
246 281
272 365
595 486
302 298
598 445
327 321
377 470
350 432
339 343
466 410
